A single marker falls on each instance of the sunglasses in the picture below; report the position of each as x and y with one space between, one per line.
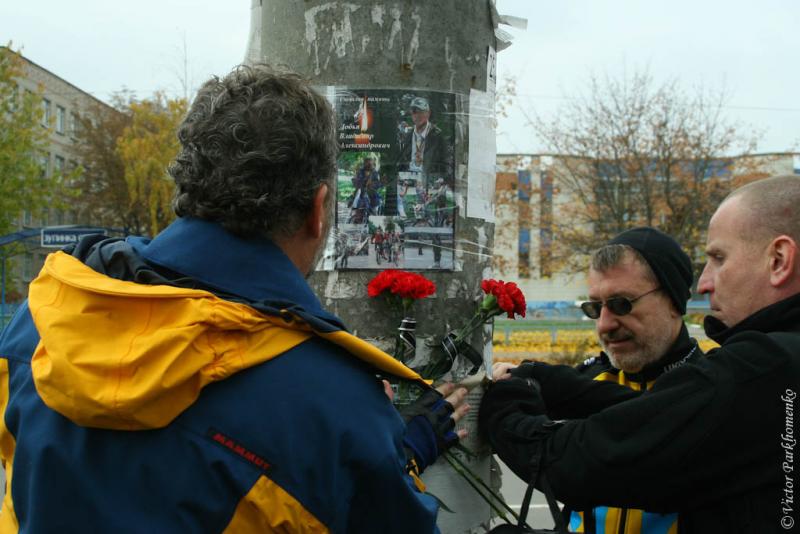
616 305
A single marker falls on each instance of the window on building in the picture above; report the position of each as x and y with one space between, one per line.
70 168
14 104
73 124
61 120
546 224
44 165
525 219
46 110
60 165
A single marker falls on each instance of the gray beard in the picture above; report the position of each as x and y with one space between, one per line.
644 356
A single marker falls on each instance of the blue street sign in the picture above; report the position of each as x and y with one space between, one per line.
61 236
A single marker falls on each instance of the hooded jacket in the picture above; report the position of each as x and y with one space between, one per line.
193 383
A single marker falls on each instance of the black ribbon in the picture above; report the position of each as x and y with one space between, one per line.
407 329
408 339
453 349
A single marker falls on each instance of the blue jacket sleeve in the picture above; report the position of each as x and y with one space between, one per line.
385 497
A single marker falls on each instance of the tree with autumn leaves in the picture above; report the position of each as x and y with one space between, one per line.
126 149
631 152
103 198
147 147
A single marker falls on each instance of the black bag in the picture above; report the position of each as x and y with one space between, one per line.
522 527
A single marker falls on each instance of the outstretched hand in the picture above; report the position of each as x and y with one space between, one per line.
502 370
430 422
456 396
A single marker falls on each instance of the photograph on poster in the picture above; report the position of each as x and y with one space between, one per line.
378 244
395 168
360 189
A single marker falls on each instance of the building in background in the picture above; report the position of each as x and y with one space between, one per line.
529 199
62 104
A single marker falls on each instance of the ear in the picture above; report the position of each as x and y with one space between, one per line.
316 219
782 260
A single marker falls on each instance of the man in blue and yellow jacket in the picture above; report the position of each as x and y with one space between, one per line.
193 383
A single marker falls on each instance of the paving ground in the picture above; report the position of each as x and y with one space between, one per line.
513 491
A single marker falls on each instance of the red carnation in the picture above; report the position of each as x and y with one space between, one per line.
507 297
401 289
501 297
413 286
403 284
380 283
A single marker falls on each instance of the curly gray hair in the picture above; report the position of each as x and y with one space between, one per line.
256 146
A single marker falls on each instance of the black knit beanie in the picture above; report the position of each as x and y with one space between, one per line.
665 257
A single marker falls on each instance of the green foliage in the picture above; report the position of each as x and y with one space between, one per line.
344 188
23 142
351 161
24 184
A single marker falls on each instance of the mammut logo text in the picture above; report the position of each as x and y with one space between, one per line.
238 449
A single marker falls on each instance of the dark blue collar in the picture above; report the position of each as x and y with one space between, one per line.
256 270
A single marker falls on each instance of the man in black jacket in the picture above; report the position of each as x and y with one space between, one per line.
713 439
639 283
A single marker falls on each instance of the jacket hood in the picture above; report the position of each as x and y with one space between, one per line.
127 356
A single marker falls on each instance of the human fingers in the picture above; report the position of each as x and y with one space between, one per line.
456 398
501 370
460 412
446 389
387 388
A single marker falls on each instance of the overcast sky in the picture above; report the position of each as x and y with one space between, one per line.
750 48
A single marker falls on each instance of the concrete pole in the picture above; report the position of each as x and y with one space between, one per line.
405 45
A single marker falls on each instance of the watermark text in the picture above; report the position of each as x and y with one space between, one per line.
788 442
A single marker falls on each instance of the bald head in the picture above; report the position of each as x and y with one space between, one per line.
752 249
772 207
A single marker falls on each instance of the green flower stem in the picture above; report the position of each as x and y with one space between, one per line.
483 484
481 317
465 331
497 497
476 483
